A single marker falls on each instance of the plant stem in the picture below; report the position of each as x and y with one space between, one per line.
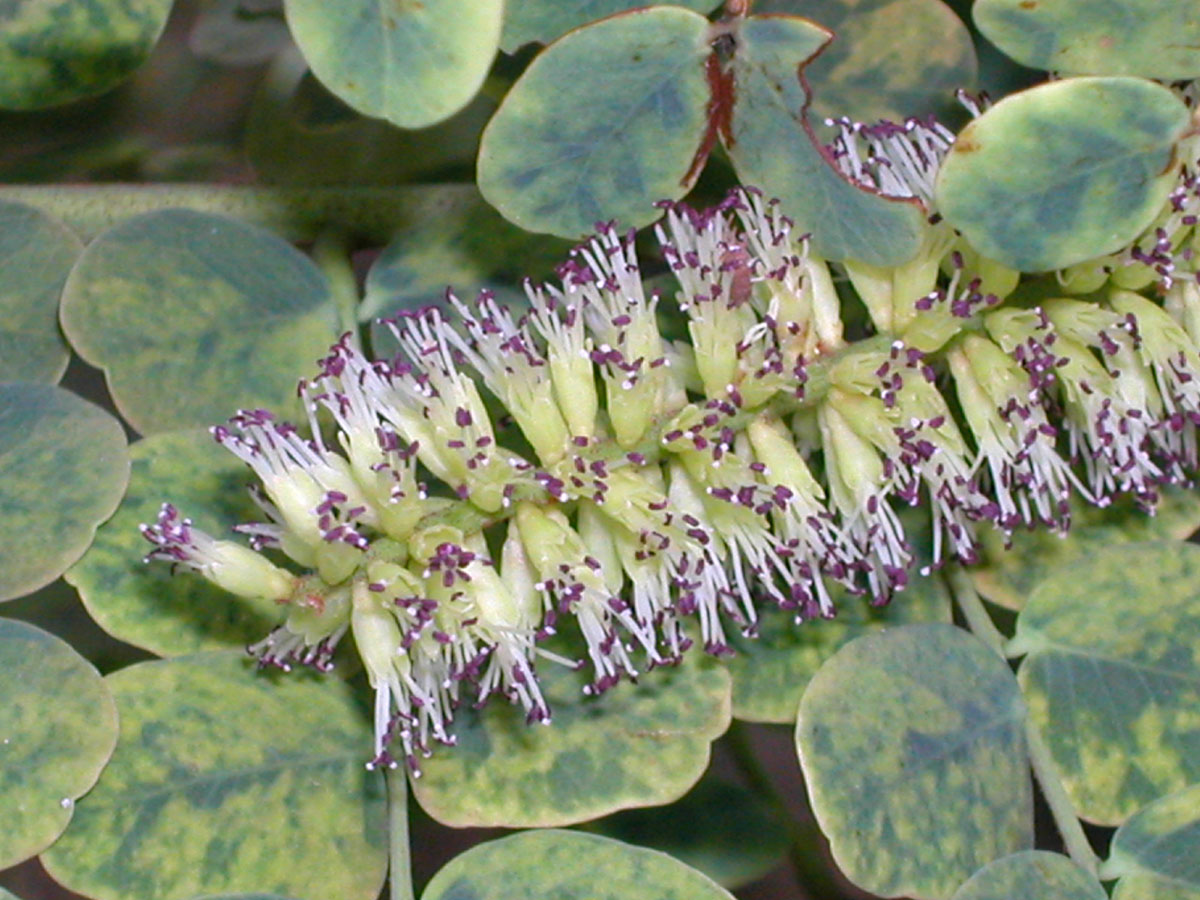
803 837
399 853
331 253
1040 760
978 620
1048 779
297 214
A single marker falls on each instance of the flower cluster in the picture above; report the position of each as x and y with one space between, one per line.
650 492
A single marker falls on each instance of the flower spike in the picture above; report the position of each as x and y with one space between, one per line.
658 492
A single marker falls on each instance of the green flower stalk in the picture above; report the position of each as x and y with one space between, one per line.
652 493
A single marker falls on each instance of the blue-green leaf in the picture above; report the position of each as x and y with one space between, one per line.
774 148
413 64
1152 38
889 59
1064 172
604 123
541 21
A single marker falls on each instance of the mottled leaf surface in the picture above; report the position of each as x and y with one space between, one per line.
1096 37
1063 172
1010 574
771 671
1033 874
463 244
56 51
774 148
144 604
541 21
36 253
567 865
63 468
889 59
226 780
1161 840
912 744
412 63
718 827
1112 675
638 745
58 727
193 316
1141 885
603 123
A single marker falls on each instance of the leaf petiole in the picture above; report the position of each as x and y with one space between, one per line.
400 886
1044 769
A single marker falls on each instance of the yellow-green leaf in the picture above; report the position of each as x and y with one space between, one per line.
771 670
226 780
463 244
1161 841
913 747
146 604
636 745
58 727
1147 886
36 253
193 316
297 133
1033 874
1010 574
63 468
1112 676
718 827
56 51
567 865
